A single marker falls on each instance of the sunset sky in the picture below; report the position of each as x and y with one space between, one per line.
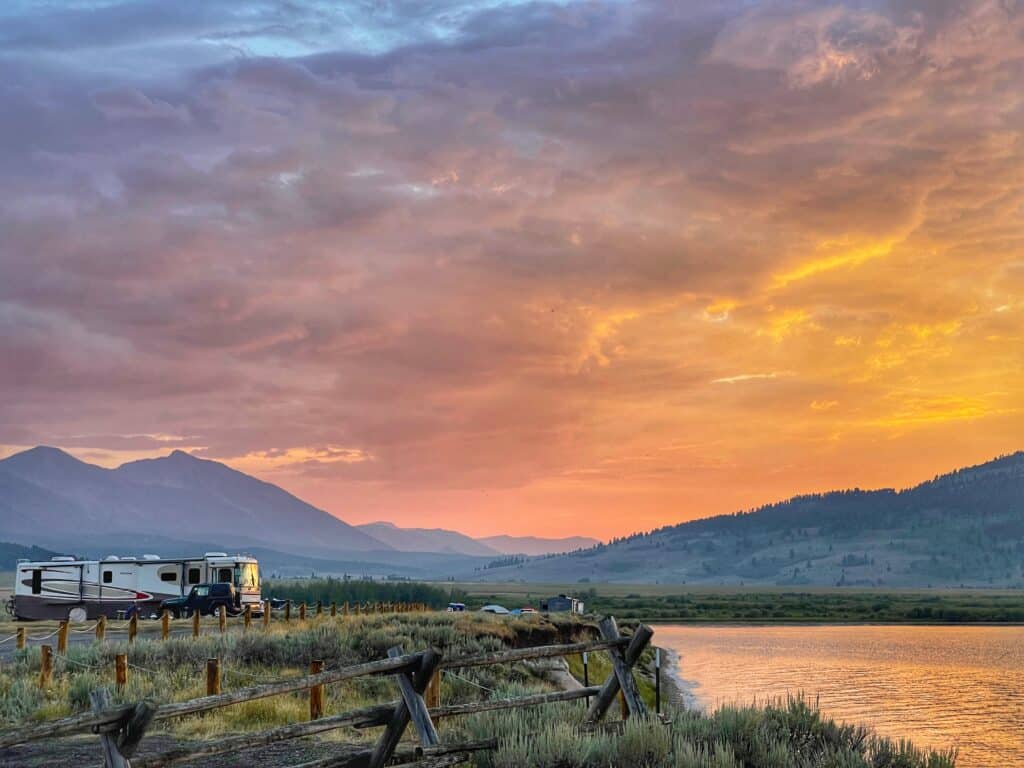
549 268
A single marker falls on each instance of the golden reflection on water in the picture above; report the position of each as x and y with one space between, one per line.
939 687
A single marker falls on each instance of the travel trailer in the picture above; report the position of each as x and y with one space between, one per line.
67 588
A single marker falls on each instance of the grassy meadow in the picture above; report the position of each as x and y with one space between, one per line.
780 735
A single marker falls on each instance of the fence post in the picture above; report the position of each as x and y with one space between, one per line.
248 617
302 611
20 643
62 638
121 670
222 616
133 628
344 608
112 757
316 693
196 618
266 614
45 665
319 607
411 707
621 677
287 611
212 677
165 624
101 628
334 609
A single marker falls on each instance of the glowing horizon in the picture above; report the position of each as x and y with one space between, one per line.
527 268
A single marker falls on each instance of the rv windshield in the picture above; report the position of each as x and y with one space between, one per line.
247 575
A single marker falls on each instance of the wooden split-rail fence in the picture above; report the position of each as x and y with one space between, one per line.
121 728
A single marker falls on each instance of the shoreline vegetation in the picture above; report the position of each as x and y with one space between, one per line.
680 604
782 734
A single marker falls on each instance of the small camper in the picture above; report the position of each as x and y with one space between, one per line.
68 588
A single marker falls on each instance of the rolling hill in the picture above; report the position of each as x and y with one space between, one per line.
427 540
966 527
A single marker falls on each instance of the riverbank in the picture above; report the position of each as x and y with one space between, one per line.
785 734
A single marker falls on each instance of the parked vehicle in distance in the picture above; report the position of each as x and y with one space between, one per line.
500 610
205 599
456 607
67 588
526 611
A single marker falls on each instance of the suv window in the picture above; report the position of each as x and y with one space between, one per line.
201 591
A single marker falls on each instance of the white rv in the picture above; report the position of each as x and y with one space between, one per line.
67 588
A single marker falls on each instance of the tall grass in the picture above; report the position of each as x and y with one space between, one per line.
784 734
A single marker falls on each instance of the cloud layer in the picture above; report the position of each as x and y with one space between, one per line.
527 267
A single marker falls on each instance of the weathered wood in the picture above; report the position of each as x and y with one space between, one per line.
536 652
334 609
222 619
316 693
121 671
20 642
472 708
393 731
287 611
101 628
196 618
412 686
319 607
212 677
247 618
165 624
45 665
87 721
112 757
62 637
622 663
266 614
133 628
302 611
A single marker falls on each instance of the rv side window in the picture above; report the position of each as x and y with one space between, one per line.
108 576
168 576
194 576
224 574
37 581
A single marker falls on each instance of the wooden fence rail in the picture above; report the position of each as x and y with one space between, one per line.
121 728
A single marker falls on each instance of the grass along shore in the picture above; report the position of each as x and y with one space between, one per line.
781 735
768 605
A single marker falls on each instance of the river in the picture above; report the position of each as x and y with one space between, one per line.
939 687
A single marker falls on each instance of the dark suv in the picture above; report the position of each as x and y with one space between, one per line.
204 598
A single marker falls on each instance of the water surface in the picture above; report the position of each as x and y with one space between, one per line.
940 687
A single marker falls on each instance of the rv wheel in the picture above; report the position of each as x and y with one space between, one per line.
77 614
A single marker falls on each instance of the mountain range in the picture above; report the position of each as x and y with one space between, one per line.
51 499
965 527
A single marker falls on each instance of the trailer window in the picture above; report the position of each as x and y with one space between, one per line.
108 576
224 574
37 581
194 576
168 576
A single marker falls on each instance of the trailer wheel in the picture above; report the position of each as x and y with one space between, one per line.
9 606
